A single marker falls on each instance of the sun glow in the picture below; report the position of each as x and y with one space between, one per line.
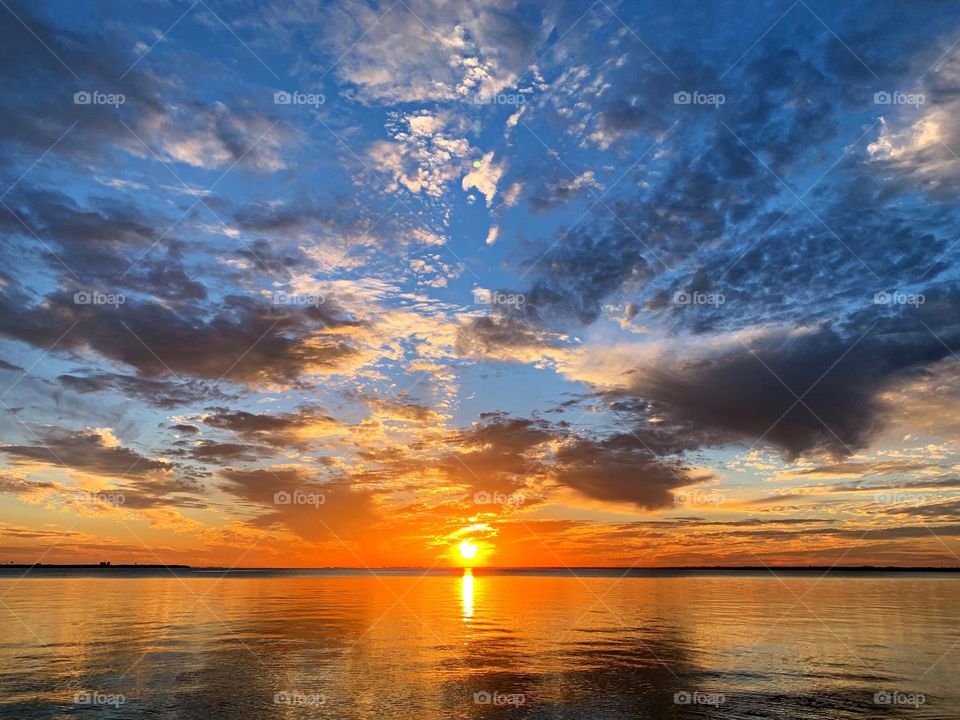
468 550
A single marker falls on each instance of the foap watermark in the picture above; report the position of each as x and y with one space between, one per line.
495 297
896 297
95 697
296 697
686 697
282 97
98 497
695 499
95 97
899 498
497 498
298 299
898 98
499 99
299 497
95 297
695 97
902 699
695 297
498 698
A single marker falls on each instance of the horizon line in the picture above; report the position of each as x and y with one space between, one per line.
180 566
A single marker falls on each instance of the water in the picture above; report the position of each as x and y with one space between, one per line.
342 644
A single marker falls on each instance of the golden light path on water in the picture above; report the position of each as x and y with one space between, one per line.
466 593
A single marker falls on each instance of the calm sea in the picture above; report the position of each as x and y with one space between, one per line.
407 645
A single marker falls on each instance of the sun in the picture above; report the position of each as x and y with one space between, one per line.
468 550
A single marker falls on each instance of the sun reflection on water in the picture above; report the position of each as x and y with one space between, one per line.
466 593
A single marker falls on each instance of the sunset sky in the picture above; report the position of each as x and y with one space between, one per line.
313 284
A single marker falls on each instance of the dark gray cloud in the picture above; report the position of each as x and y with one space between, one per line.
504 335
247 340
585 267
278 430
160 393
865 469
497 455
141 491
4 365
946 510
15 484
750 391
161 490
289 219
343 512
623 468
88 450
562 191
640 467
223 453
104 243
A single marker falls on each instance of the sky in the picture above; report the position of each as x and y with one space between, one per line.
350 283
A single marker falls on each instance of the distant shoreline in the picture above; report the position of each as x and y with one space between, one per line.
93 566
495 569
